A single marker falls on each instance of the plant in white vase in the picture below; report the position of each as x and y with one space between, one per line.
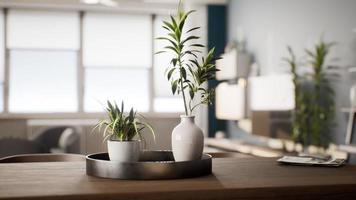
187 73
121 131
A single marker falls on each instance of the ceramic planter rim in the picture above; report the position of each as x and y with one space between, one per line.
124 141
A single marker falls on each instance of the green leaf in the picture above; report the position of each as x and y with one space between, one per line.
197 45
165 27
173 36
184 73
198 51
167 39
174 86
177 34
159 52
181 25
131 116
191 92
190 38
190 68
174 23
115 124
195 62
311 54
170 26
174 61
170 73
172 48
185 15
192 29
109 105
190 53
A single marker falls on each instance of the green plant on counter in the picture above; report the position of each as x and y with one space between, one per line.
188 72
121 126
301 99
323 105
314 107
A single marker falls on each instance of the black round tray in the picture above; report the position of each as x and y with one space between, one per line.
152 165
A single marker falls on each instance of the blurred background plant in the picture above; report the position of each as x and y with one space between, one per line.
314 112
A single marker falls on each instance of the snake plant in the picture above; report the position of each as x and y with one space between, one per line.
121 126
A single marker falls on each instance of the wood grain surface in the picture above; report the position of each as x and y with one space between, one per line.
232 178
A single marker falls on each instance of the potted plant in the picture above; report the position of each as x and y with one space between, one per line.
123 133
187 73
314 97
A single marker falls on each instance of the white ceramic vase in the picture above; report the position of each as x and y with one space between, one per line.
124 151
187 140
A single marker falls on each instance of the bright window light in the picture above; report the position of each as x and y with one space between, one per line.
43 81
117 40
168 105
128 85
29 29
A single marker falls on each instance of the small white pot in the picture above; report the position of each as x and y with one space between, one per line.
124 151
187 140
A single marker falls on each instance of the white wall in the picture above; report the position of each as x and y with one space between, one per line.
270 25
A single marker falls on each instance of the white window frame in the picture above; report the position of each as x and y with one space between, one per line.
80 81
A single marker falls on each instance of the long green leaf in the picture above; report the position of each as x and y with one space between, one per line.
192 37
170 73
193 29
174 86
159 52
170 26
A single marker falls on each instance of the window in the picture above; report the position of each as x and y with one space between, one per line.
130 85
117 56
43 30
30 69
67 61
117 40
43 50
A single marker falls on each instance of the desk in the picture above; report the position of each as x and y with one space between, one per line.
232 178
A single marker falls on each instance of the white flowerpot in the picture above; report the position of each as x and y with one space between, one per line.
353 96
187 140
124 151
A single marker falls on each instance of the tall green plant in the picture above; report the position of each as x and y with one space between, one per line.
314 108
301 98
323 107
192 69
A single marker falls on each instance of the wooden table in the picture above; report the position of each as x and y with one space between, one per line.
232 178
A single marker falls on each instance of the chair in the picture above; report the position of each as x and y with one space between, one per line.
15 146
60 140
43 158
